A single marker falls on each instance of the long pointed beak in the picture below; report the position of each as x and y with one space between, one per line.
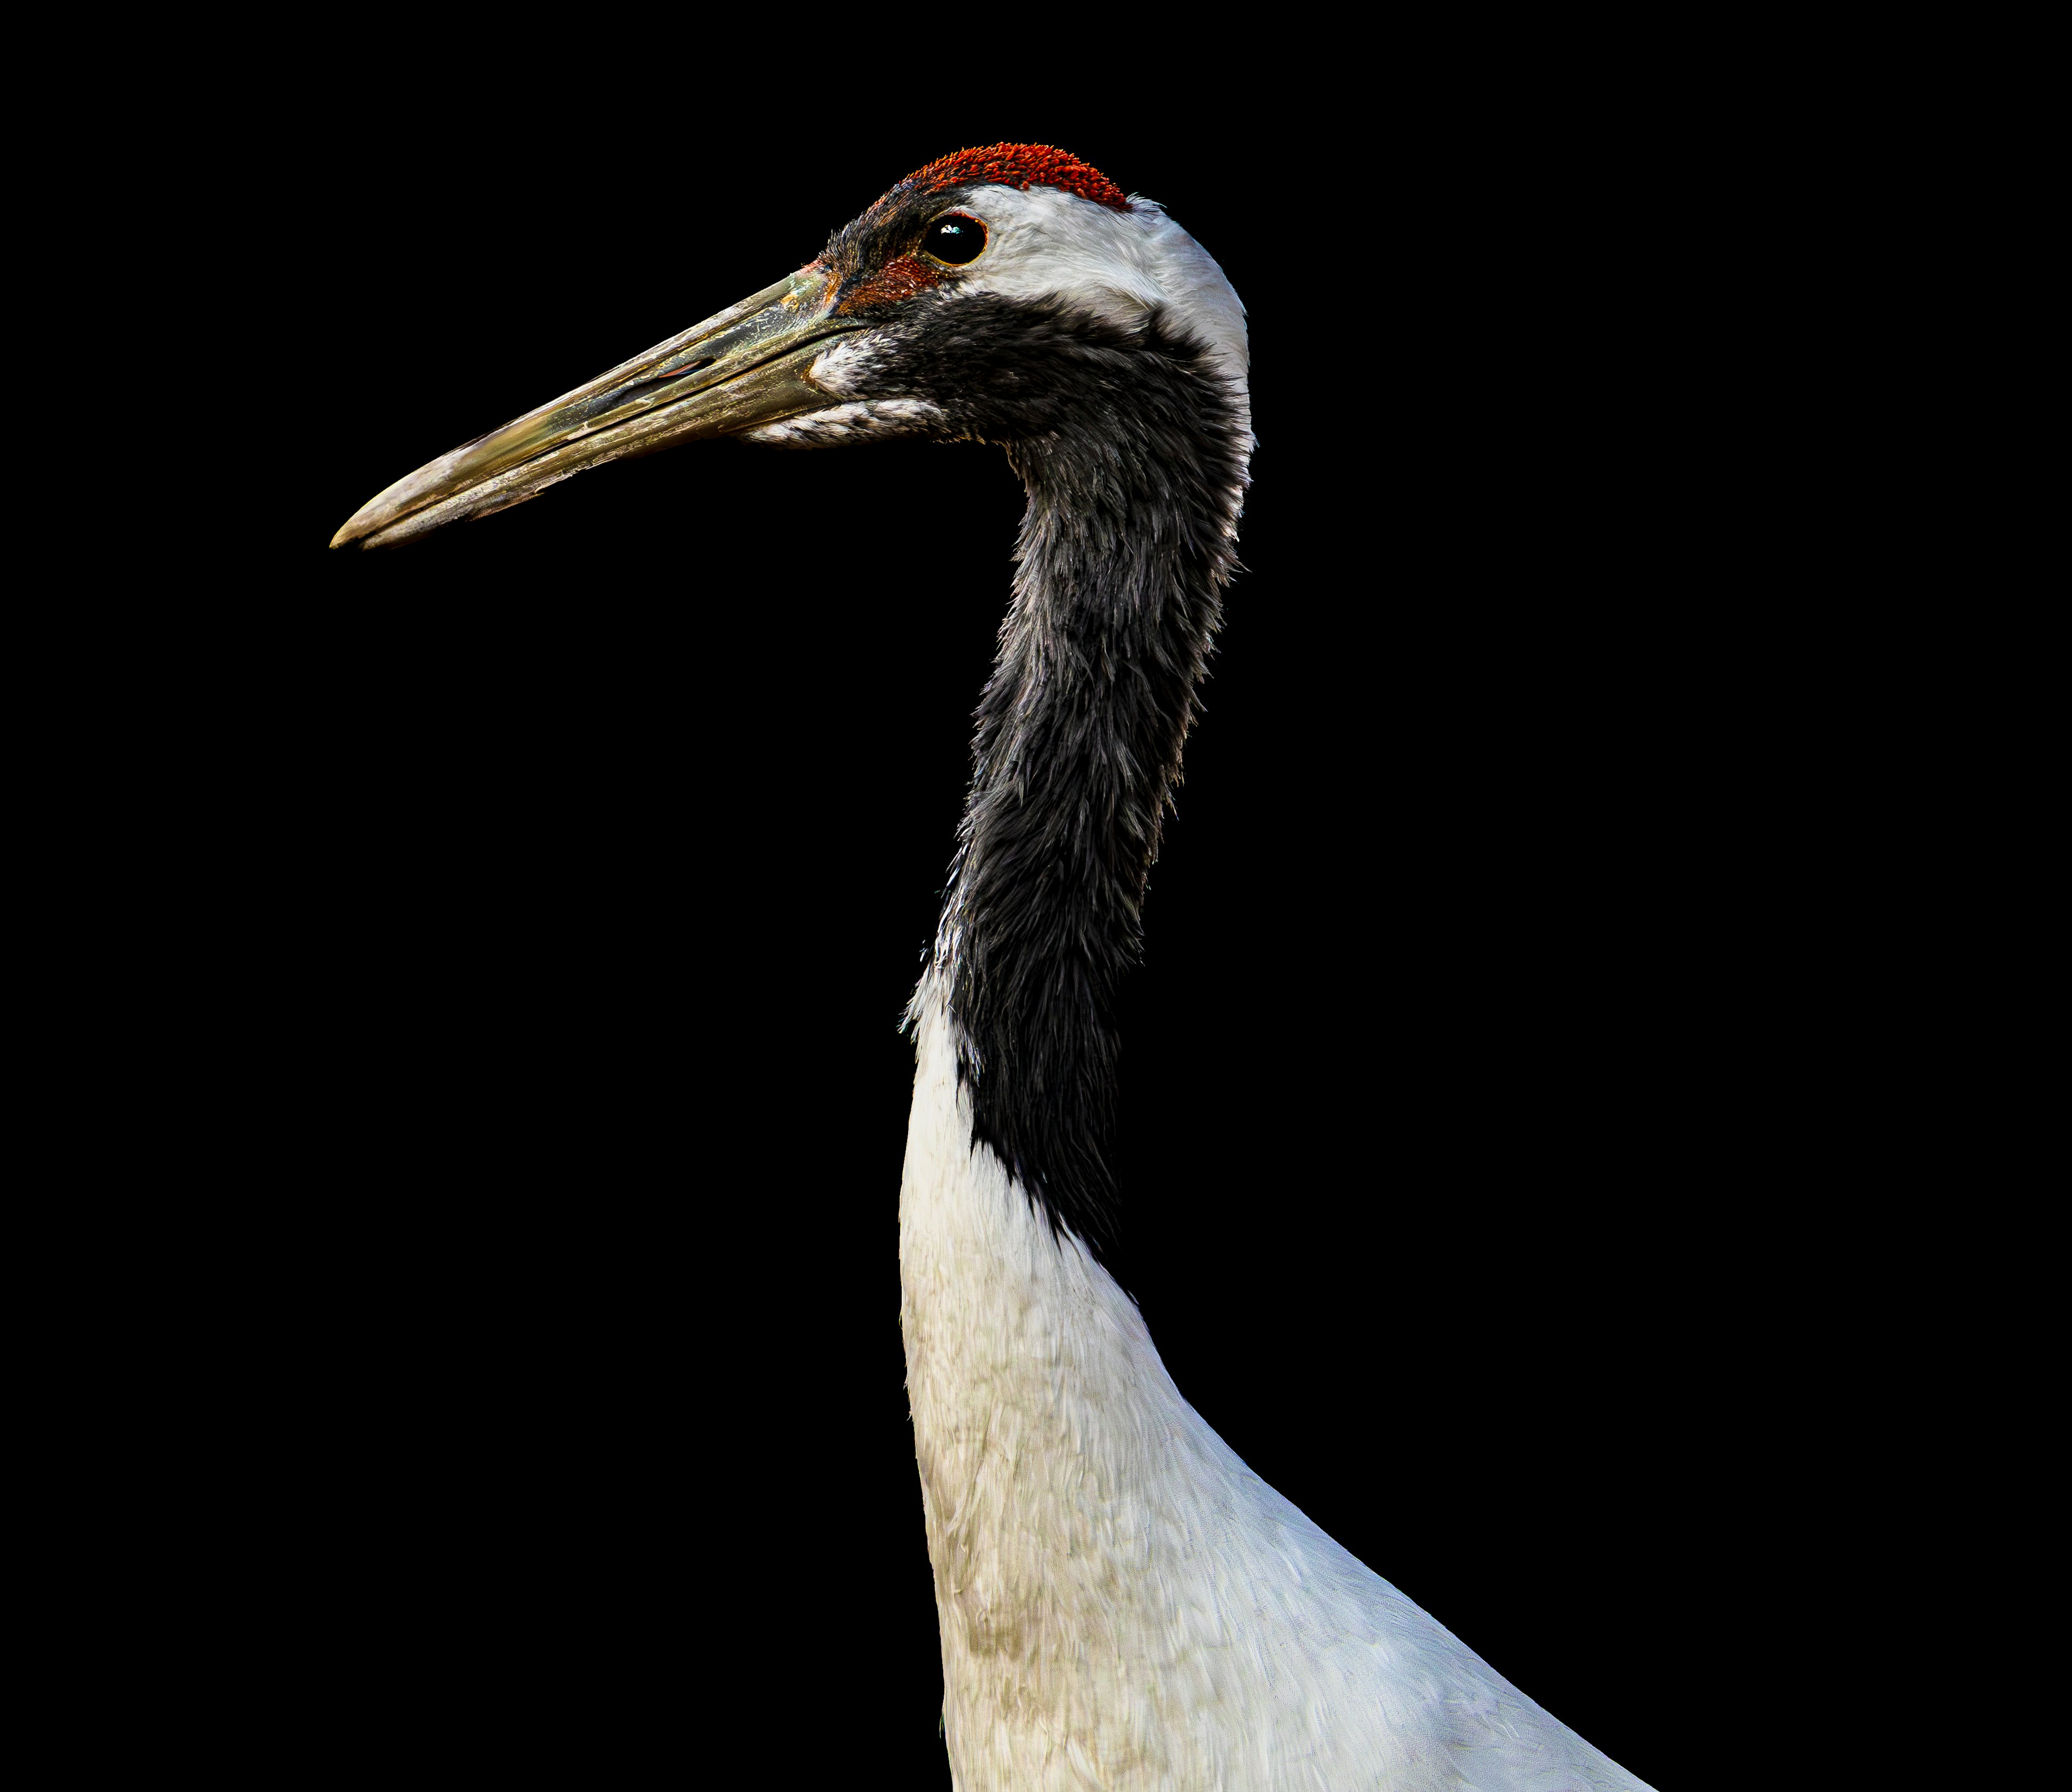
739 371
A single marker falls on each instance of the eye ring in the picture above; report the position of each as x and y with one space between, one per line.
956 240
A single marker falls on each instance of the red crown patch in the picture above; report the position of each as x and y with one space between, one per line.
1019 165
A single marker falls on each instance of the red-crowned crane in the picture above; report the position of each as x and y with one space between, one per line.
1123 1604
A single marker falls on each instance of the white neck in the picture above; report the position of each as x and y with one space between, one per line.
1123 1604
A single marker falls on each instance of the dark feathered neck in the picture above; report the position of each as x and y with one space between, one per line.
1126 544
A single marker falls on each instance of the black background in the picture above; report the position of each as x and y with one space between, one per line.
582 860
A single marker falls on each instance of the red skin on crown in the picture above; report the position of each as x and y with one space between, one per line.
1018 165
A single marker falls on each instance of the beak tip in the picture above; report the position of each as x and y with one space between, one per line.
358 527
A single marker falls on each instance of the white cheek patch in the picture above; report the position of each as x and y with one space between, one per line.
837 369
1045 243
878 420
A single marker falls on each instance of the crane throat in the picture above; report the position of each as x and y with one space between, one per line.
1126 545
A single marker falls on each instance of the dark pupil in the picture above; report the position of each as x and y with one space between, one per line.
956 238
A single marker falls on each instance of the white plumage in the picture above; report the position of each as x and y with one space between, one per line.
1123 1604
1116 265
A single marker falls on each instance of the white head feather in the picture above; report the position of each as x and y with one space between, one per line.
1042 242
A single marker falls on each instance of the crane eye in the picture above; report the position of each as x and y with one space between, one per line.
956 238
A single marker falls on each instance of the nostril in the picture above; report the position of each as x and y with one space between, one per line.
645 388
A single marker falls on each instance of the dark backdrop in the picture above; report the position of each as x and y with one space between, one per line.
583 858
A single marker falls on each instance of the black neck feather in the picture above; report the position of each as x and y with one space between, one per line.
1124 549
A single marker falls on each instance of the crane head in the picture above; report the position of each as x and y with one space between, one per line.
955 308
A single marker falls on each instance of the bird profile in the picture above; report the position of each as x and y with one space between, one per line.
1122 1603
